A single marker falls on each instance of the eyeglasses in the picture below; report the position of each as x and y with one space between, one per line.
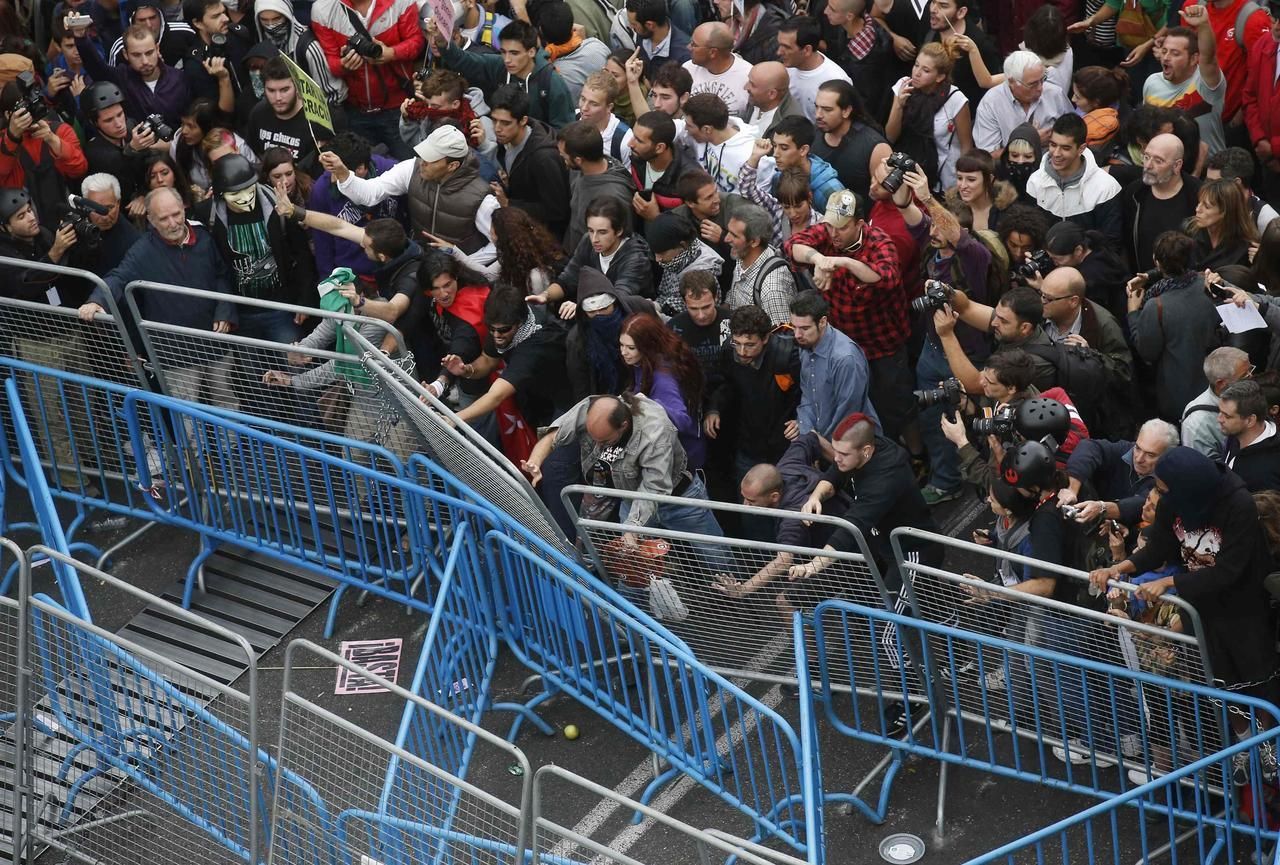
1031 85
501 329
1047 299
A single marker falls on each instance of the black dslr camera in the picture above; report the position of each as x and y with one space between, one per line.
31 97
948 393
1037 262
899 165
936 295
161 130
87 233
999 423
364 46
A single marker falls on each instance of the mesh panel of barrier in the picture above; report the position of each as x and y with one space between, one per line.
347 795
455 446
106 712
648 683
730 600
264 367
1071 624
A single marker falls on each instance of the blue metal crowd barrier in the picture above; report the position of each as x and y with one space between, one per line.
46 517
1062 691
113 700
648 684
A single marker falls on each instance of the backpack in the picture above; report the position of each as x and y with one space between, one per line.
777 263
1081 373
615 144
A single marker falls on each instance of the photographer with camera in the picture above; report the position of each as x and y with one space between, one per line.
1111 479
855 265
952 257
118 147
103 239
372 46
150 86
37 150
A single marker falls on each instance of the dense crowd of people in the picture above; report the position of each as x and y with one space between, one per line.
840 256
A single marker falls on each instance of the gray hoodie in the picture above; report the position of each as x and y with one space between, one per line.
575 66
585 188
302 47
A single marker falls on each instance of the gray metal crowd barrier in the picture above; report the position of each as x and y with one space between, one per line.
13 684
729 599
257 368
131 754
1071 624
454 445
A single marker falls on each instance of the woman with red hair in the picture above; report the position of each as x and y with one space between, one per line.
667 372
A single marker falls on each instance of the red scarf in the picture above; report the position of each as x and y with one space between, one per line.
419 110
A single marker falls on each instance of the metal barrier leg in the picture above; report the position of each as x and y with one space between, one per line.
104 561
195 572
942 779
524 711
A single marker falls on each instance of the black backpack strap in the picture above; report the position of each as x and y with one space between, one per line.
1198 407
777 263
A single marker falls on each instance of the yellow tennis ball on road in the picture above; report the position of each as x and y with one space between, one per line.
571 732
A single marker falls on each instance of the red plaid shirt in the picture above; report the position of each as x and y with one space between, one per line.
874 316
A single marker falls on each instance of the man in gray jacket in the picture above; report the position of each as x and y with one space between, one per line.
628 443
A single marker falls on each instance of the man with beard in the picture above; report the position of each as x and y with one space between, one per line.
1190 77
834 377
279 121
150 86
848 142
1161 201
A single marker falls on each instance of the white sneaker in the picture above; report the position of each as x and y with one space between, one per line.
994 679
1140 776
1080 755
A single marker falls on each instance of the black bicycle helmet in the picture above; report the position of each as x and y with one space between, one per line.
11 201
1030 465
232 173
1040 417
101 95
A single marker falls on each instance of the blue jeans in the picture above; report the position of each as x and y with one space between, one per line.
380 127
944 461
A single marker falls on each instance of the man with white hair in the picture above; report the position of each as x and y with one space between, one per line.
1025 96
1113 478
174 252
117 235
1200 430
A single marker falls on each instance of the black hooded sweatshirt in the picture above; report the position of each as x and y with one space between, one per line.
1207 525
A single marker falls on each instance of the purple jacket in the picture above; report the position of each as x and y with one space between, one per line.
666 393
332 252
170 99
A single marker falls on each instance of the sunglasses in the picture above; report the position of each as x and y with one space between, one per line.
501 329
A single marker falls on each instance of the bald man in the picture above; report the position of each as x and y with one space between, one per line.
768 87
1162 200
877 475
624 444
716 69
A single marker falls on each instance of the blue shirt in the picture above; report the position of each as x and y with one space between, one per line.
834 378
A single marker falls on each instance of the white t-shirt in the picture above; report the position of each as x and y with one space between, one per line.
944 135
730 86
804 85
606 260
